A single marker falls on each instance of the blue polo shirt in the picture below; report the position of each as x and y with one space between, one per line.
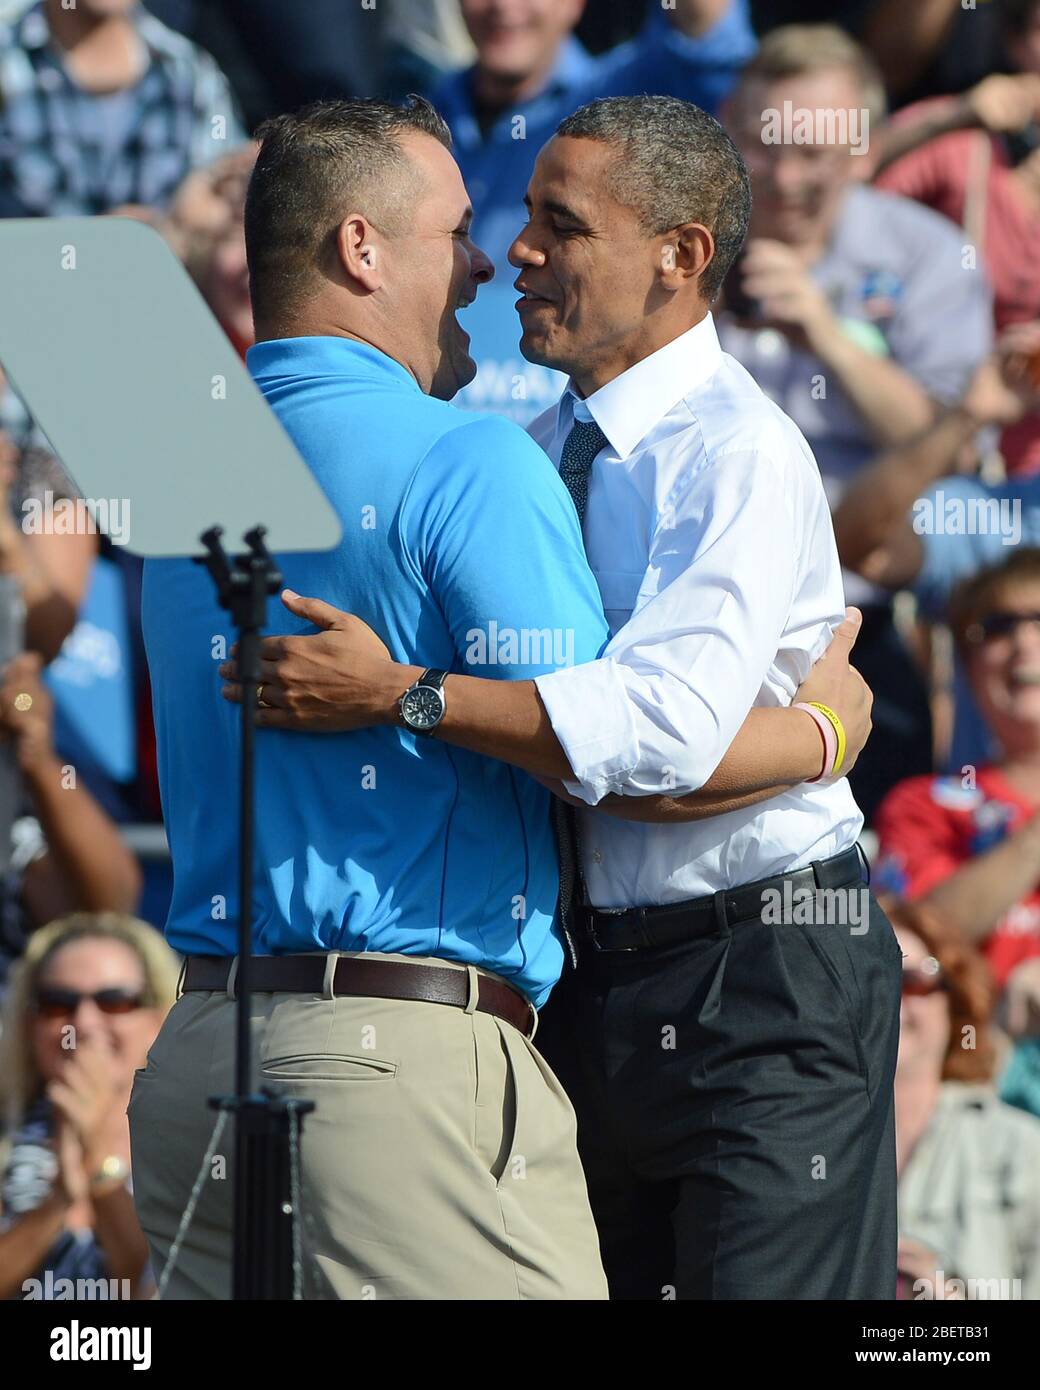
461 548
497 168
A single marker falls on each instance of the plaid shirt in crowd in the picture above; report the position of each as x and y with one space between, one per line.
51 163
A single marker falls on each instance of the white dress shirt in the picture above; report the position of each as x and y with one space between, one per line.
709 534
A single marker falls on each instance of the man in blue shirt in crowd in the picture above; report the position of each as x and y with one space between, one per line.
529 74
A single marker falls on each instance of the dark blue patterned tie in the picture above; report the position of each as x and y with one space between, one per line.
580 448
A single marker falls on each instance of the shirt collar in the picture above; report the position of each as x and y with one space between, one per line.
324 356
573 65
629 407
454 97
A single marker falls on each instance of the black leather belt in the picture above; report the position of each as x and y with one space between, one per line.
642 928
368 978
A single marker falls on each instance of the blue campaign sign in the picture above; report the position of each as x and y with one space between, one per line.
505 384
91 680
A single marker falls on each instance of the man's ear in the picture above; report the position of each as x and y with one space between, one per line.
686 252
357 251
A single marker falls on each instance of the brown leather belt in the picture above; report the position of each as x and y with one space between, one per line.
367 978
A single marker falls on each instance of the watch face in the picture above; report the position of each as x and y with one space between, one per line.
423 707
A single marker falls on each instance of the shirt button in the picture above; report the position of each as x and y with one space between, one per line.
597 856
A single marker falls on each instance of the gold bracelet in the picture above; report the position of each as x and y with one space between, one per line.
112 1169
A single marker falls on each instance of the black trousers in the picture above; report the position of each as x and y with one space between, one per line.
734 1101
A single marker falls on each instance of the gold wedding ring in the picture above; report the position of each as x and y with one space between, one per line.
260 697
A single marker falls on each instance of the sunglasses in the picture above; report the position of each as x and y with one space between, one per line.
923 979
998 624
52 1002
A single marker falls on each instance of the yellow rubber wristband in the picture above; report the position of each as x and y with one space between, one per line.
839 730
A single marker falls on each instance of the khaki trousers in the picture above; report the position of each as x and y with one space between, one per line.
440 1162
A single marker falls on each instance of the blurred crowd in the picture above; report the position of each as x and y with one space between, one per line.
888 298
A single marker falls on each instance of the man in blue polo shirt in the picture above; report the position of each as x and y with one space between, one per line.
452 1172
529 74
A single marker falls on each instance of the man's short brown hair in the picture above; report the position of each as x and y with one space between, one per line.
315 166
792 50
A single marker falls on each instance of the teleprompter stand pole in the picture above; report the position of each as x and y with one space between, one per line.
267 1128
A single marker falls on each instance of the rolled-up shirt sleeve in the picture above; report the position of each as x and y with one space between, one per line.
657 712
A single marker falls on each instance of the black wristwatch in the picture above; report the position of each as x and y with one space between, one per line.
422 705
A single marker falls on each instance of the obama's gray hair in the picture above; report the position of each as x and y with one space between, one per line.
674 164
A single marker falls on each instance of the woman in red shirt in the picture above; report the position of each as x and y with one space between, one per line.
968 845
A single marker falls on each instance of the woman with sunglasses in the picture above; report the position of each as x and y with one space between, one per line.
968 845
969 1165
85 1004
